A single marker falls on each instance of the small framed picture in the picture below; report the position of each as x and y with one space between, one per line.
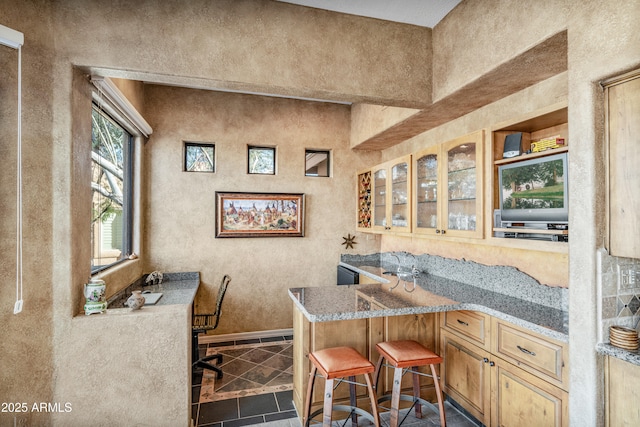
261 160
199 157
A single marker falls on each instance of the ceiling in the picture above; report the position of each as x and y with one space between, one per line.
425 13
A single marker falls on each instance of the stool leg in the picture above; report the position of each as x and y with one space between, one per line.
373 398
328 403
307 405
376 375
395 397
416 390
353 400
443 421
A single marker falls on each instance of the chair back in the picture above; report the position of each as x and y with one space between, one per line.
221 291
205 322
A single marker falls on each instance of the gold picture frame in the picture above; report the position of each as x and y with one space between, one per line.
259 214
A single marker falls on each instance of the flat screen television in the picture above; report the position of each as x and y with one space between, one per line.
535 190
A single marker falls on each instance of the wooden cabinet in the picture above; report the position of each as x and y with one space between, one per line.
543 357
447 190
548 130
501 374
523 399
622 393
391 196
466 375
623 134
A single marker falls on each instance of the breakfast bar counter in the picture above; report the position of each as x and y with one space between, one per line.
505 309
432 294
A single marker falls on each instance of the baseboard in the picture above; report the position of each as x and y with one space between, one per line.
211 339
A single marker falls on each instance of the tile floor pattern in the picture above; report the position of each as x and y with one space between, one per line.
256 389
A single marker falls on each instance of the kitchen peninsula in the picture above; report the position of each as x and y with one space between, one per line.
492 324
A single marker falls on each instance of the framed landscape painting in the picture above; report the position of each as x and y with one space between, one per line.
259 214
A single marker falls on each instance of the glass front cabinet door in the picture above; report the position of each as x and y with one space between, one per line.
448 188
391 194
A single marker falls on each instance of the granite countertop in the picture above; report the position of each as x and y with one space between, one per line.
631 356
176 288
432 294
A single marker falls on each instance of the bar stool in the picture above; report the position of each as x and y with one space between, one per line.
408 354
340 363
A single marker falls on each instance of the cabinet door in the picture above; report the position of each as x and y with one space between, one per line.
624 175
622 393
426 217
462 181
466 376
521 399
400 195
379 192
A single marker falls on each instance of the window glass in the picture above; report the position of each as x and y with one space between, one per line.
316 163
262 160
199 157
111 184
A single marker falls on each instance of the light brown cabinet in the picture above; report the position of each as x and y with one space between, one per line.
623 133
547 128
622 393
523 399
447 189
486 374
466 375
391 196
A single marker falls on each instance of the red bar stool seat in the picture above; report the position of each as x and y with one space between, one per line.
404 356
339 363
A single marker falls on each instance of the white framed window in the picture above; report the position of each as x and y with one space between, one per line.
117 135
112 160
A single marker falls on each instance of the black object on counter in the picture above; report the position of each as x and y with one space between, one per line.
347 276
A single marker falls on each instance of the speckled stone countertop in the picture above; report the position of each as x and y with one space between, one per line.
176 288
433 293
631 356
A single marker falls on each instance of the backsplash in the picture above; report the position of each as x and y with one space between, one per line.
504 280
619 293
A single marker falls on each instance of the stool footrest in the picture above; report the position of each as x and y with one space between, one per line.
408 398
405 370
344 408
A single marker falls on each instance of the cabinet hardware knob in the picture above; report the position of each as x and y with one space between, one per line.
437 231
444 231
462 323
492 363
485 360
524 350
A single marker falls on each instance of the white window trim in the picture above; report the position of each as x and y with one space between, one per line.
113 101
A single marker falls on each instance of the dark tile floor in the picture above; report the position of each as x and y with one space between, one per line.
256 389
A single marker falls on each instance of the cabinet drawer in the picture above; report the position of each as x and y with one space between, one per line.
471 325
532 352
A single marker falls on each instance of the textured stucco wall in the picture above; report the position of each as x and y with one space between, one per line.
27 338
126 368
180 215
479 35
256 45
